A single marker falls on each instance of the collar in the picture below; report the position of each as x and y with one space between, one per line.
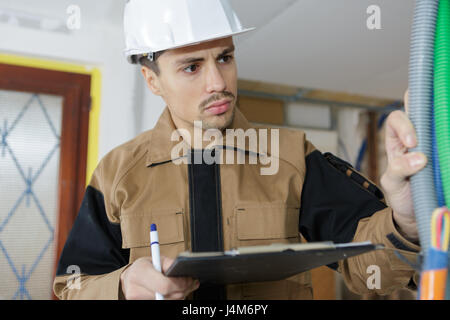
160 144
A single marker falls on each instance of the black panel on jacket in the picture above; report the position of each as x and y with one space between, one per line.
332 203
205 215
94 243
398 243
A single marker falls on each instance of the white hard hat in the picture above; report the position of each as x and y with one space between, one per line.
155 25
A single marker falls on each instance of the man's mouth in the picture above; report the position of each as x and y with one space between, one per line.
219 107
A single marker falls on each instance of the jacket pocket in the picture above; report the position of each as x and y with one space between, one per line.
136 228
266 221
264 224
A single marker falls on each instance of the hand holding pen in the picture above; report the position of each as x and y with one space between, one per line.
142 281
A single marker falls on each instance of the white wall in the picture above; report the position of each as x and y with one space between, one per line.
326 44
308 115
323 140
352 132
344 140
150 109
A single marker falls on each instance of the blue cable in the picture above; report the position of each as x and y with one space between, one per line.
436 166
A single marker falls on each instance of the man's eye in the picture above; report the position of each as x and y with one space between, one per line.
225 59
191 68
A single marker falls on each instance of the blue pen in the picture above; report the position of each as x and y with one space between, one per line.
154 244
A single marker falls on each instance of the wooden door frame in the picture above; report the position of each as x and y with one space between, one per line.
75 89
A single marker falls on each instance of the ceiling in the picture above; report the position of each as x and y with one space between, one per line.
326 45
320 44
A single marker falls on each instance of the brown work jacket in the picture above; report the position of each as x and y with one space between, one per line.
312 197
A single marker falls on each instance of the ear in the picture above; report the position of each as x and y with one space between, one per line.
152 80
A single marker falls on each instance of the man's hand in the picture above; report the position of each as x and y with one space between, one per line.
401 136
141 280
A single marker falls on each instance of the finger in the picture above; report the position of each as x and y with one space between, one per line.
160 283
400 134
405 166
140 293
151 279
179 295
400 126
406 101
148 277
169 285
176 296
183 283
195 286
166 263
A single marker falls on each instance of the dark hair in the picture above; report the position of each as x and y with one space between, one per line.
153 65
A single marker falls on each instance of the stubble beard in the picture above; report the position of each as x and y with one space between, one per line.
212 123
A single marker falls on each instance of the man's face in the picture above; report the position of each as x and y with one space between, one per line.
198 83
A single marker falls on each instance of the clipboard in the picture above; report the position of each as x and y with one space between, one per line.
263 263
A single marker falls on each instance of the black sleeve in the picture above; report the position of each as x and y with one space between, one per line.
334 199
94 243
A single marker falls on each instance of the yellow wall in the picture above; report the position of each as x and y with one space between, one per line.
94 117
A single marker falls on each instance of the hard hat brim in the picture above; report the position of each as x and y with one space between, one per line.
130 53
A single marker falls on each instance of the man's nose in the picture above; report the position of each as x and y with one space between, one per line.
215 81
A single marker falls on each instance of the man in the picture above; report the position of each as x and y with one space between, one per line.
203 206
